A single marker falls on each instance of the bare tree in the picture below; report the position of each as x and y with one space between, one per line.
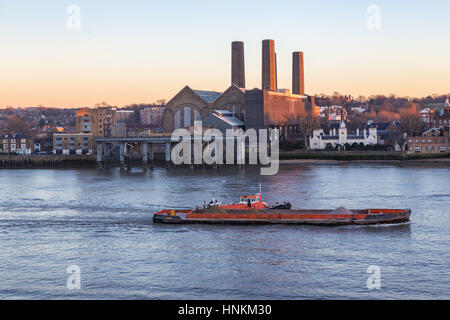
102 104
357 121
161 102
411 121
16 125
306 124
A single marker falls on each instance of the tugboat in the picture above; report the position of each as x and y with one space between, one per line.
253 210
254 202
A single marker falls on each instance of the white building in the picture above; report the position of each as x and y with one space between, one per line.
124 115
319 140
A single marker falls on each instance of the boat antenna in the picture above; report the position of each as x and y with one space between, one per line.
260 192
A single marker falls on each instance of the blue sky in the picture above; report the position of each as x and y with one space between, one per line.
140 51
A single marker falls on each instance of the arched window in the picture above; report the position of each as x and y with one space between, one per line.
197 116
187 117
177 120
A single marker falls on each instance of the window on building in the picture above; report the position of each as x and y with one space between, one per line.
187 117
197 116
177 120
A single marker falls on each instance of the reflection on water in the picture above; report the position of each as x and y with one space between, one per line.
101 221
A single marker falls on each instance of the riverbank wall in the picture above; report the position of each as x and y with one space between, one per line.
47 161
360 155
85 161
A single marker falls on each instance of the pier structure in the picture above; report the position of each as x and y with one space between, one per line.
127 149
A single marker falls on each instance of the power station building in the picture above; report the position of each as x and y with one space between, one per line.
275 109
268 107
190 105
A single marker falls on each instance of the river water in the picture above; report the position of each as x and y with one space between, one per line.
101 221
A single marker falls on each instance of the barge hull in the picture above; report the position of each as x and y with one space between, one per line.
300 217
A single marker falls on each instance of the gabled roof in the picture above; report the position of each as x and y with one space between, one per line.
431 130
187 90
232 92
206 96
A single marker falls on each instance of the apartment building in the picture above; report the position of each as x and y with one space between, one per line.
430 141
98 122
73 143
152 116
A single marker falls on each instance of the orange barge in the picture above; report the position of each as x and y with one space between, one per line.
251 210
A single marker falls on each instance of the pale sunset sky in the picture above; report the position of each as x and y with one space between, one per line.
140 51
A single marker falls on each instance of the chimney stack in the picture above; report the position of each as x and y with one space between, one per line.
276 73
269 72
298 76
237 64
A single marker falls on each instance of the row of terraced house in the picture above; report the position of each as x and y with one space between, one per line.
16 144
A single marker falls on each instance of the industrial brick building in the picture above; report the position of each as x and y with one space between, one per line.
264 108
268 107
190 105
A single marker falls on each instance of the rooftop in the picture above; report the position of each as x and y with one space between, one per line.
208 96
227 117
